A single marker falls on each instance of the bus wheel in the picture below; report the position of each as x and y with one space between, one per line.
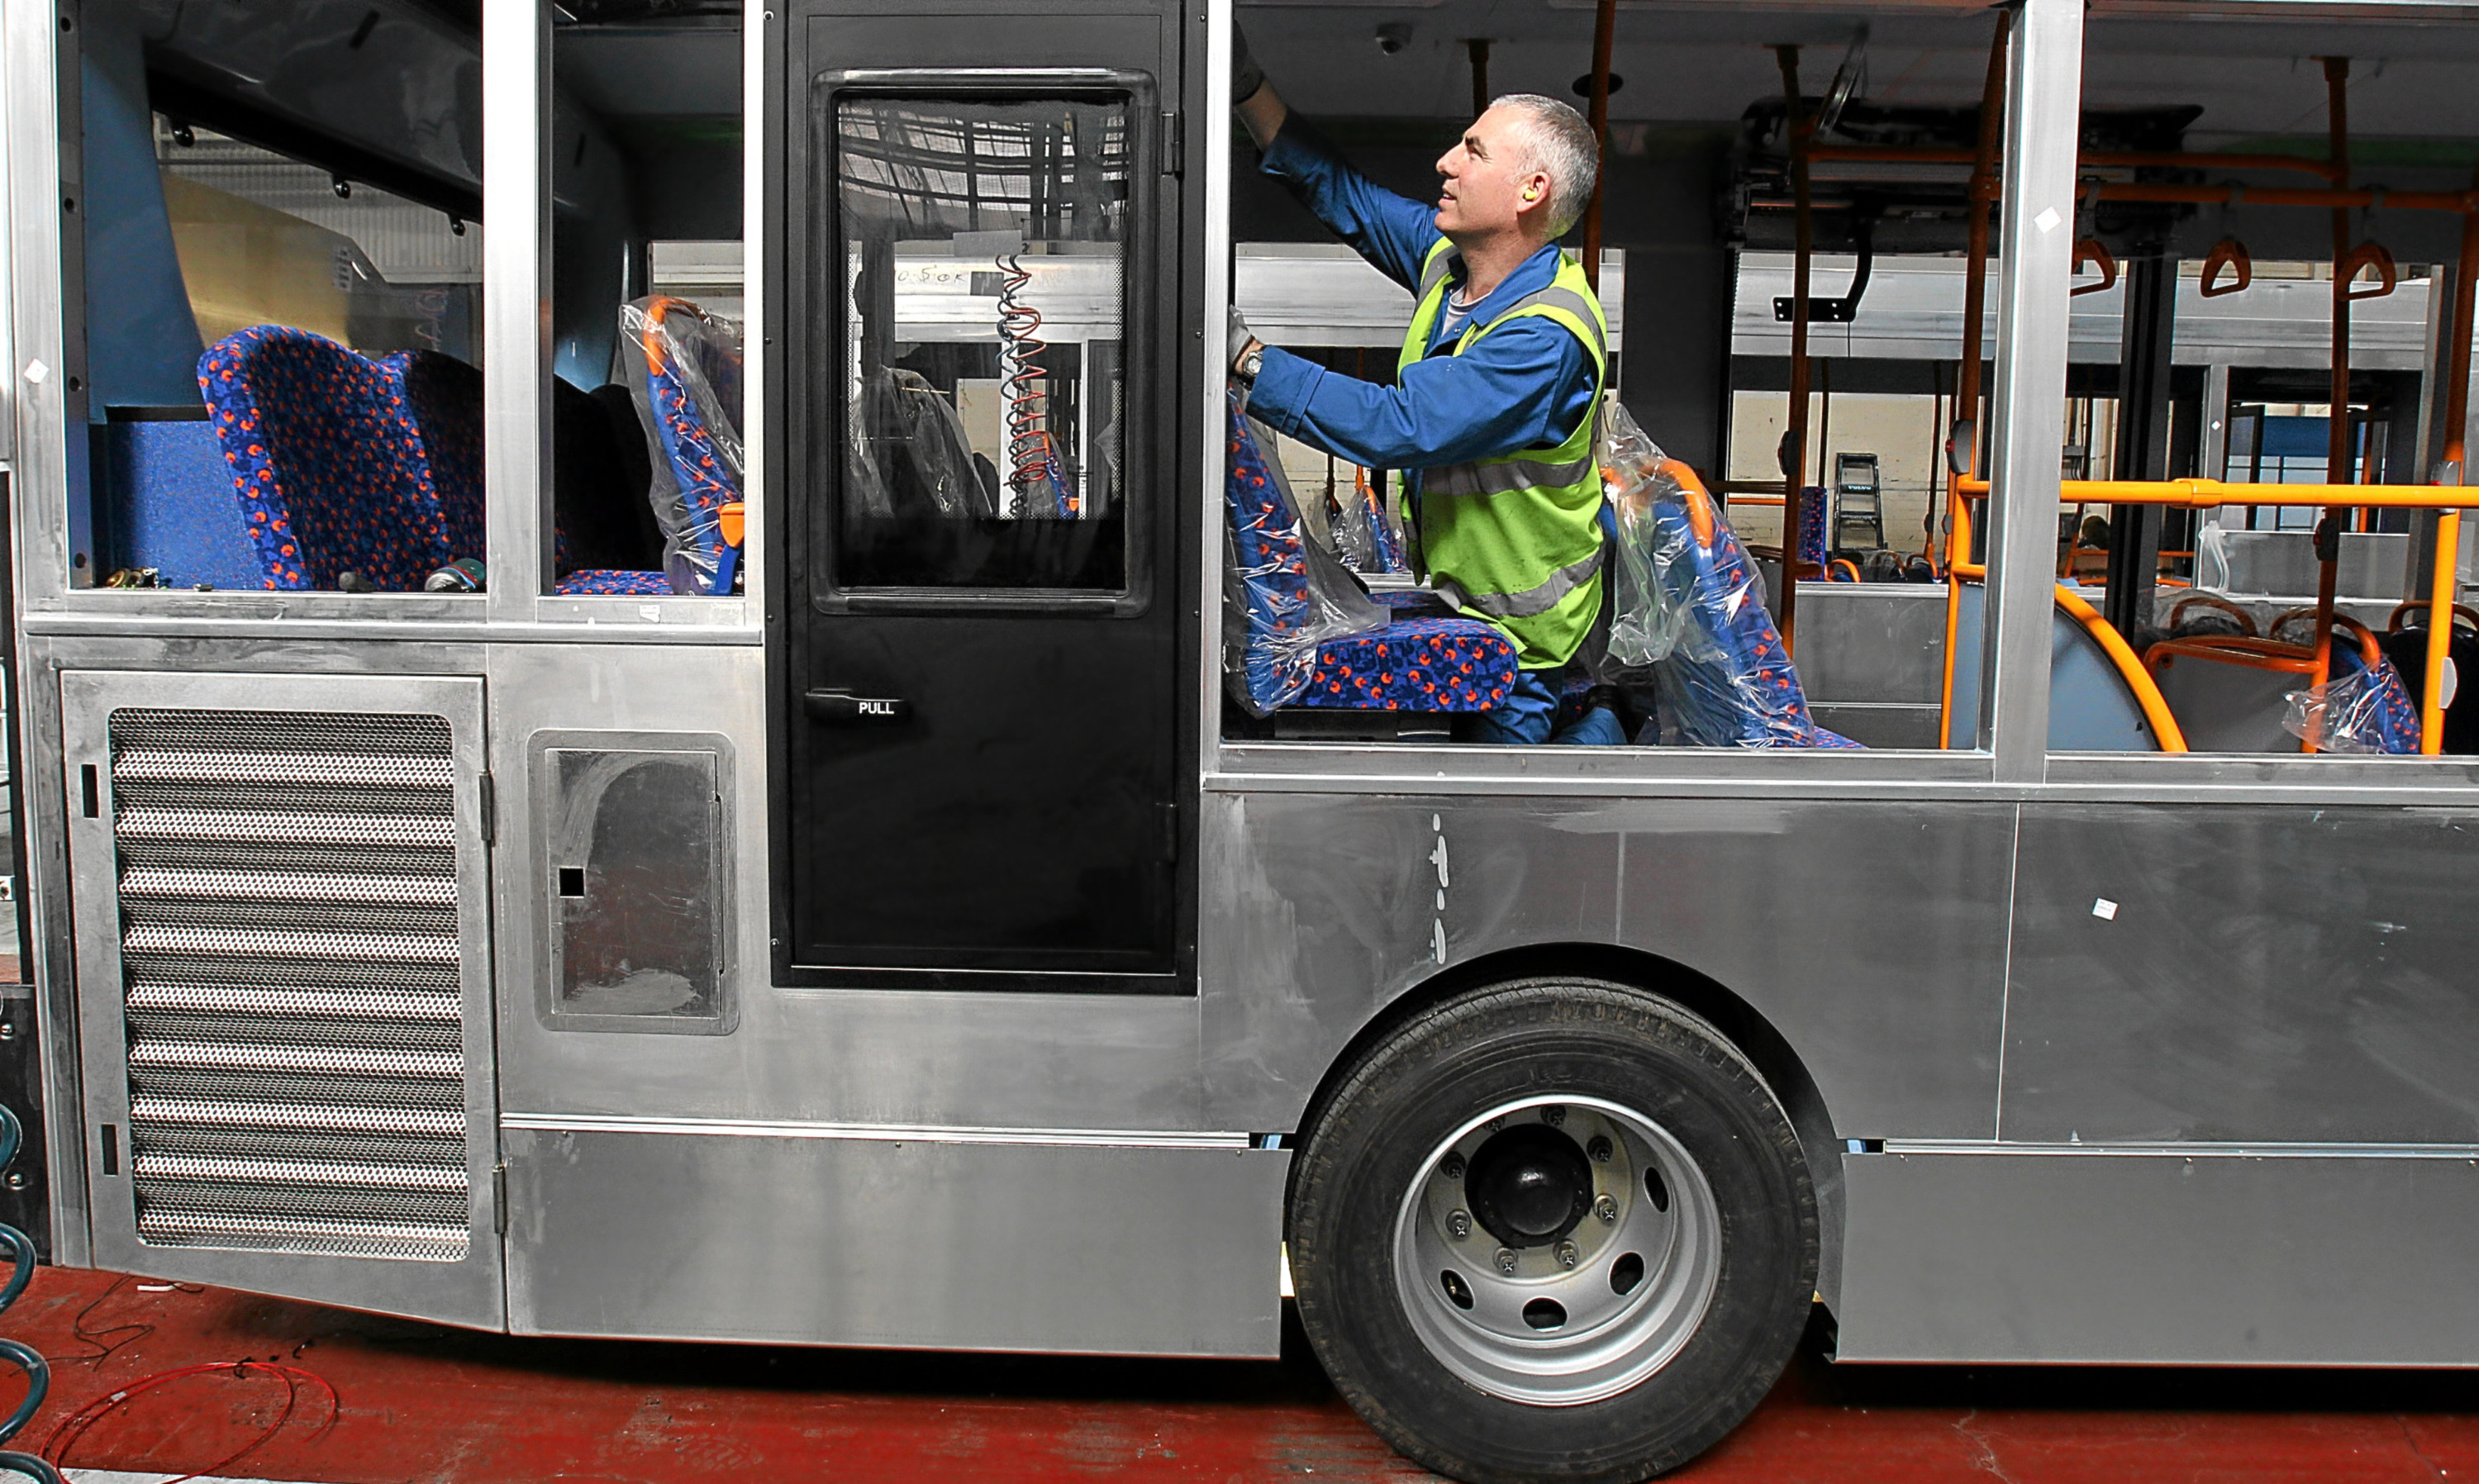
1554 1229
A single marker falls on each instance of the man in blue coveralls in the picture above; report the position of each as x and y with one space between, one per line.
1493 399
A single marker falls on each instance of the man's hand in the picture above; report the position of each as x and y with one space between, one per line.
1239 341
1260 109
1246 77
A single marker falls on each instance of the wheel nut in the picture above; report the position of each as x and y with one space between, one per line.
1566 1254
1497 1123
1603 1207
1459 1223
1553 1116
1454 1166
1506 1261
1599 1149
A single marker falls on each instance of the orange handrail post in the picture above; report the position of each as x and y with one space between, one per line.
1605 25
2446 559
1804 243
1966 386
2338 466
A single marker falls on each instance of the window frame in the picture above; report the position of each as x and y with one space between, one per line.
825 327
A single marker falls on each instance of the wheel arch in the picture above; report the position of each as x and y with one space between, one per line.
1692 990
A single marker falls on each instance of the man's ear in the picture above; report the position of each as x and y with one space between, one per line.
1534 194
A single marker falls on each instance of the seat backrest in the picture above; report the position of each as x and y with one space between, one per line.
443 396
1292 595
684 361
1812 516
1271 559
1729 682
329 470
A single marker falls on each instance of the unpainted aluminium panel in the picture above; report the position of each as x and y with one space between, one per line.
2245 973
2160 1259
1106 1249
1871 937
870 1055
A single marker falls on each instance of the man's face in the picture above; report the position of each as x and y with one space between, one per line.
1485 178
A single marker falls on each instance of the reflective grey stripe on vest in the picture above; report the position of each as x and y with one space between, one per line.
1567 299
1505 477
1531 603
1438 268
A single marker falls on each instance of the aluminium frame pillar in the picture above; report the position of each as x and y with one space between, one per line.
2035 235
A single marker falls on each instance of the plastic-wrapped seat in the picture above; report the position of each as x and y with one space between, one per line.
1691 633
684 367
1312 643
1729 680
329 470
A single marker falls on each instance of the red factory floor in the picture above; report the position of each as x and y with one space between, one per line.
416 1402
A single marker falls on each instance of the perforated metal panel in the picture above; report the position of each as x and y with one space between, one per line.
290 965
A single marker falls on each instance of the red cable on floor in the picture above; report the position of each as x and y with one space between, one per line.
75 1426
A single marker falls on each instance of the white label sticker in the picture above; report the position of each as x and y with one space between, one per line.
2104 908
651 613
2048 219
35 372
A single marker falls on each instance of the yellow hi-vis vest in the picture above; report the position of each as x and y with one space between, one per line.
1516 538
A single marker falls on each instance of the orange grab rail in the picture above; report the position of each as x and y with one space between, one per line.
2449 500
2244 618
2147 696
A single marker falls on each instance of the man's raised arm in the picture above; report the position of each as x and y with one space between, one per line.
1395 233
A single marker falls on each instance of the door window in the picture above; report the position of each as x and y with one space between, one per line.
981 336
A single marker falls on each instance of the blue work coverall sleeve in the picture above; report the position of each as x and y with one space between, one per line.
1394 232
1524 384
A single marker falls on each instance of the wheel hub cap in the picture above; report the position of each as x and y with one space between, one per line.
1557 1250
1529 1184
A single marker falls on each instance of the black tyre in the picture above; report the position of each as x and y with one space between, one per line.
1553 1230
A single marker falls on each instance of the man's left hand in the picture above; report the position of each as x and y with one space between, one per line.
1239 341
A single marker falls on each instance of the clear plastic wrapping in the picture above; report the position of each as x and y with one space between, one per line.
1283 594
918 453
1365 537
2361 708
683 367
1691 639
1645 626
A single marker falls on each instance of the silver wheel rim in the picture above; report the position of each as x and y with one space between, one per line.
1575 1318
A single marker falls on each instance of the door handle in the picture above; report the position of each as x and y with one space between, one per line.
843 709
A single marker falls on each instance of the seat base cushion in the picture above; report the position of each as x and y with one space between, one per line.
1415 664
604 582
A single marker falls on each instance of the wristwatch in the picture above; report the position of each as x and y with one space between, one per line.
1251 364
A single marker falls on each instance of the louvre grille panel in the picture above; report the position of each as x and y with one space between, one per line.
292 979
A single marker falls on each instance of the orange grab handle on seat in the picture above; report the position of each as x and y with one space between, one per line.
2367 255
2209 600
2091 251
2368 650
733 521
2402 613
1844 564
1700 504
2245 650
2232 254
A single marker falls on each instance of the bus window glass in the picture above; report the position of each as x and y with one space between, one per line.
647 299
1806 586
276 296
267 239
2230 328
982 248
